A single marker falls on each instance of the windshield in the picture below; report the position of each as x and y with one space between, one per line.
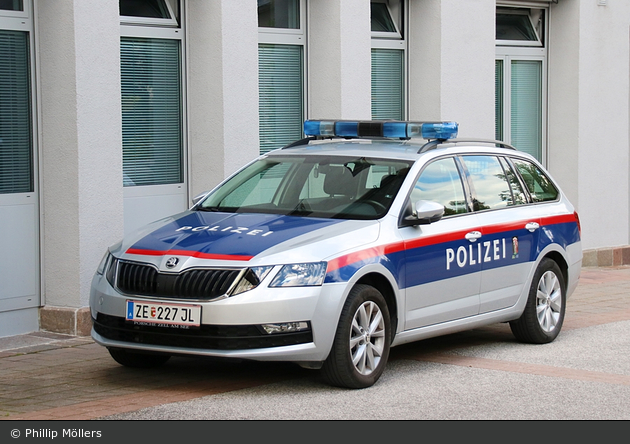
337 187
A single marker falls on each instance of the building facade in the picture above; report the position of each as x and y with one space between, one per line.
115 113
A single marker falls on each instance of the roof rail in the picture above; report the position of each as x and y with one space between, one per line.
300 142
453 142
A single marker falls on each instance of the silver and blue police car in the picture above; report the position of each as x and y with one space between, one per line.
358 238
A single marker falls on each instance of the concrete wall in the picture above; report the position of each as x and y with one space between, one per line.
451 54
589 60
81 143
339 59
222 88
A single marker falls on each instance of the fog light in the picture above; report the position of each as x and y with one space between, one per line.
285 327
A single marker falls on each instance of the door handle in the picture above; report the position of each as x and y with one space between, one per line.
532 226
473 236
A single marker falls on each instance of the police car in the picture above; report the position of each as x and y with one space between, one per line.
358 238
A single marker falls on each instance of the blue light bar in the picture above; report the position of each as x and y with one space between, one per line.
439 130
347 129
393 129
319 128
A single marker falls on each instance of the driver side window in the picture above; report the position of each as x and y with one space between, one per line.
440 182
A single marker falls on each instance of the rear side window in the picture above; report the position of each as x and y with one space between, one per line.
540 187
491 187
518 195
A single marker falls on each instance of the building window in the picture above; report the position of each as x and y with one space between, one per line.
149 12
388 59
151 83
151 111
19 185
498 99
382 22
279 14
281 89
520 79
520 26
281 62
11 5
16 162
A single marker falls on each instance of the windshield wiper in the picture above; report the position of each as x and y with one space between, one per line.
213 209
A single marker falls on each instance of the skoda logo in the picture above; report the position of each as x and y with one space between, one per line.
171 262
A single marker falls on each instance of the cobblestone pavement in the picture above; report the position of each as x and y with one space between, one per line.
46 376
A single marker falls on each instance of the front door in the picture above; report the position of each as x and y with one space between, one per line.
442 270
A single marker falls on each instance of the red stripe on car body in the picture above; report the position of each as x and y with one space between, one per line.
197 254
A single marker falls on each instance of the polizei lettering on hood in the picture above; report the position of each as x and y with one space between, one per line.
479 253
219 229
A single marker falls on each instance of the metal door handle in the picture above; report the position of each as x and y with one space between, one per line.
473 236
532 226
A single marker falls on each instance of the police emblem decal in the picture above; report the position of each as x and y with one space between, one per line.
514 247
172 262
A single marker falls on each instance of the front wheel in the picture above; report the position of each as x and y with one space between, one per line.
361 345
543 316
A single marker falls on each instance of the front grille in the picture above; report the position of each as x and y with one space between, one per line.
143 279
215 337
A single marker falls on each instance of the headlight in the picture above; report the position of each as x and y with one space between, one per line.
300 275
250 279
101 266
107 267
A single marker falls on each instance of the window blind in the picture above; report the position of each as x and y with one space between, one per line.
526 106
387 84
16 162
151 111
281 95
498 99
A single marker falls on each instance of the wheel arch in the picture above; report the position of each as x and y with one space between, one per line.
384 286
559 259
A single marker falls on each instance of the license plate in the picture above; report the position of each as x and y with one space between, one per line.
158 313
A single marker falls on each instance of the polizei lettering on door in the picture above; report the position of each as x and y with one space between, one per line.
476 253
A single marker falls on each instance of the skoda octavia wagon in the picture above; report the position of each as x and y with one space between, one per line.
326 253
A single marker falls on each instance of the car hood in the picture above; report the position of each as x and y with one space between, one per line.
255 238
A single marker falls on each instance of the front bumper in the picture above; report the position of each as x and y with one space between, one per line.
229 327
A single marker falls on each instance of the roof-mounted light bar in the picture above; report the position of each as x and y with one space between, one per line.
394 129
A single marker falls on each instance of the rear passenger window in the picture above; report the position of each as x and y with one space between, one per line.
540 187
518 195
491 188
440 182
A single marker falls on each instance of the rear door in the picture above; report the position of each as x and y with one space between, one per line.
508 246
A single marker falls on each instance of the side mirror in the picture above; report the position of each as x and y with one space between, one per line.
426 212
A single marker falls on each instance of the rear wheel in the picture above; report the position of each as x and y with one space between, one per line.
361 345
543 316
136 359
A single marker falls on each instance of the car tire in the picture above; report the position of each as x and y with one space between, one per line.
134 359
543 316
362 340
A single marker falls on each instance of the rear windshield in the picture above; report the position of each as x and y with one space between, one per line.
347 188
